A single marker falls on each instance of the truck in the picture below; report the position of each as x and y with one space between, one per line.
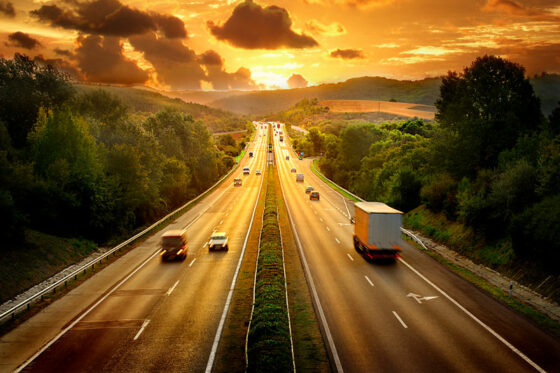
277 125
174 245
377 231
299 178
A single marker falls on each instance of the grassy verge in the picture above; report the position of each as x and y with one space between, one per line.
499 294
240 155
330 183
230 356
309 348
269 343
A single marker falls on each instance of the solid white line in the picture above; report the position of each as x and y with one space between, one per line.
400 320
218 335
350 256
328 228
172 288
337 240
191 263
317 302
490 330
80 318
368 280
146 322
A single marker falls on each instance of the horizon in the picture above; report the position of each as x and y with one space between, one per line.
219 45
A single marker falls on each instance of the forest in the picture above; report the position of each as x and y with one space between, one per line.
82 163
490 161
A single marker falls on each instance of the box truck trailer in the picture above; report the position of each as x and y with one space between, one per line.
377 230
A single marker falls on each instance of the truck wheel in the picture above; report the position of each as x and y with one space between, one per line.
357 245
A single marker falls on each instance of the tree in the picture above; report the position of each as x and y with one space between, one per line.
482 112
554 121
24 88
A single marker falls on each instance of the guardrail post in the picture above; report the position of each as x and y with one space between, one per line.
28 306
75 277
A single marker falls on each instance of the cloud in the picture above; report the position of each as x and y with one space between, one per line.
365 4
23 40
7 8
333 29
109 17
63 52
515 8
101 59
175 64
211 58
254 27
347 54
61 65
297 81
222 80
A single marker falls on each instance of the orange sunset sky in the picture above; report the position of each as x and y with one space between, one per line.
266 44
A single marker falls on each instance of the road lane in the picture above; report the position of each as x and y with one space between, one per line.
104 339
367 334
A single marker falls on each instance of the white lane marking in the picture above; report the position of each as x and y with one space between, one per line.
218 335
315 212
400 320
221 221
317 302
328 228
80 318
489 329
205 244
337 240
172 288
321 219
191 263
227 213
345 205
350 256
368 280
146 322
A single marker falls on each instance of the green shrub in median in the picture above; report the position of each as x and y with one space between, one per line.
269 344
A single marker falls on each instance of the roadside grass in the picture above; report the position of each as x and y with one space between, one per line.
309 348
269 344
230 356
330 183
542 320
240 156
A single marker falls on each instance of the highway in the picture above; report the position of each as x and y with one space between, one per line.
413 315
164 315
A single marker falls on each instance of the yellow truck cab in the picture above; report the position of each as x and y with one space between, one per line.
174 245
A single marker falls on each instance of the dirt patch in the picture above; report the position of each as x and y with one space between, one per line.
366 106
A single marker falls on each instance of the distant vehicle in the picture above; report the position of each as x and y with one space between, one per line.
278 125
314 195
174 245
246 171
250 154
218 241
293 169
281 138
299 178
309 189
377 230
237 182
287 157
299 157
258 172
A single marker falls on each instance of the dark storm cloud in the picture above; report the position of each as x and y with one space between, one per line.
101 59
347 54
63 52
109 17
7 9
175 64
222 80
254 27
210 58
22 40
297 81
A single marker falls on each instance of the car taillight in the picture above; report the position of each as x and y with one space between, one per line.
163 252
179 252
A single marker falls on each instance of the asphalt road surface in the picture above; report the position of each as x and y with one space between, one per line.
412 315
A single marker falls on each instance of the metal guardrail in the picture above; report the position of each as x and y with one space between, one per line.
405 231
74 275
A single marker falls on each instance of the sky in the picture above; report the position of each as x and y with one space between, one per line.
270 44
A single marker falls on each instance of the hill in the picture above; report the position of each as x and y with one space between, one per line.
149 101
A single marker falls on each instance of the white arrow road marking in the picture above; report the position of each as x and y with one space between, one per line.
146 322
419 298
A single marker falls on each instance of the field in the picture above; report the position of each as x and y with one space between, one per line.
368 106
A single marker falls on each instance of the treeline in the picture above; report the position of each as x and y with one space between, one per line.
491 160
84 165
